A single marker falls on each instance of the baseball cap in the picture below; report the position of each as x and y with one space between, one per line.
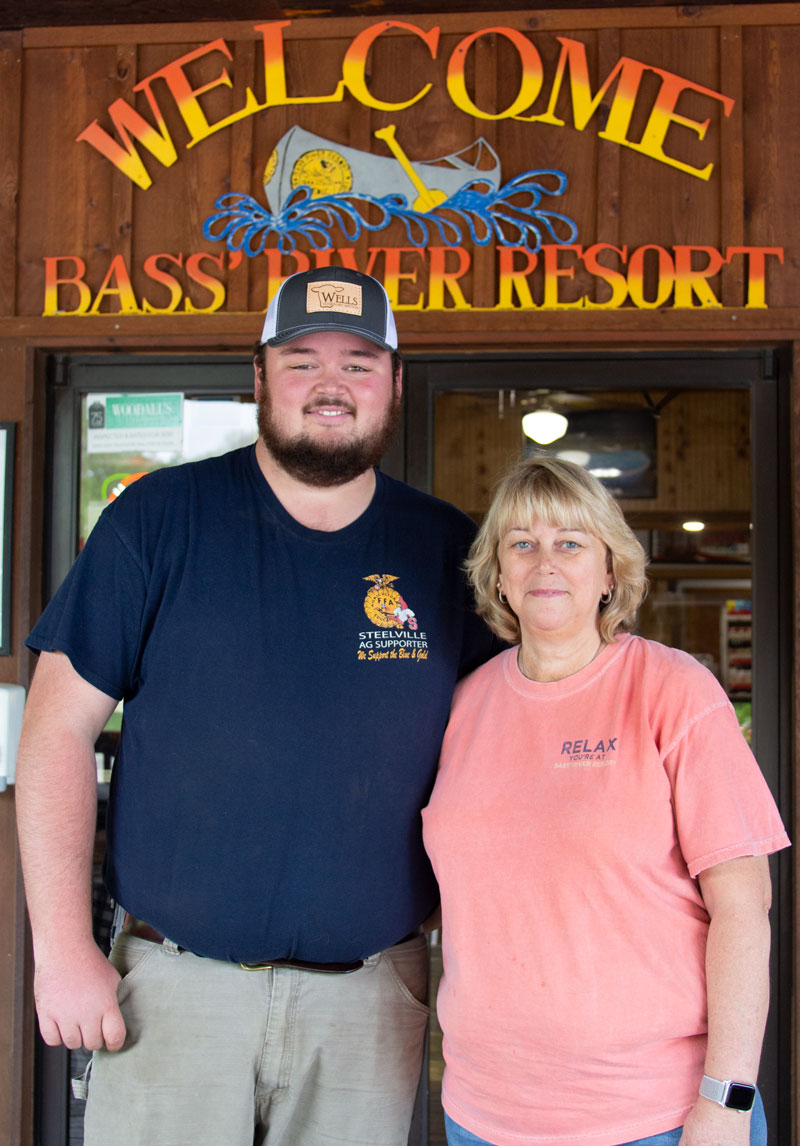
330 298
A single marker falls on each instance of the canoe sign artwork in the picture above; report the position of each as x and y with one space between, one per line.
312 185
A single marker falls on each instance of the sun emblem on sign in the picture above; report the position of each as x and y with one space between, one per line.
385 607
324 170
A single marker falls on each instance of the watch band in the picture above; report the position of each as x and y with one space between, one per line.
732 1095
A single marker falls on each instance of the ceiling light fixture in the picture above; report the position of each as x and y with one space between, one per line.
694 526
544 426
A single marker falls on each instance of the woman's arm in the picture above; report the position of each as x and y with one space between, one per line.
737 896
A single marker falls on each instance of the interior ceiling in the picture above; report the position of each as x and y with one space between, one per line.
47 13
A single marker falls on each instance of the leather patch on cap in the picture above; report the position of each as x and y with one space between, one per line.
344 298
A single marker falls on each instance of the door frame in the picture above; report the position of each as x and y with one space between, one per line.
766 373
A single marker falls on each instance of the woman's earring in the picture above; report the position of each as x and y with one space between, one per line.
500 596
606 597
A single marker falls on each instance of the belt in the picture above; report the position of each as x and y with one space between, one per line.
304 965
142 930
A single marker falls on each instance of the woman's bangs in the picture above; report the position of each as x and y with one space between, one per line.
556 508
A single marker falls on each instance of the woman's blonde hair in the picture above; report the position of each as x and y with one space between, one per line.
557 493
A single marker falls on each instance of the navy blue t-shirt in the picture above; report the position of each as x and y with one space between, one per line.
286 691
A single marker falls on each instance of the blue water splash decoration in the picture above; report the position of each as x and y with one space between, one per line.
511 214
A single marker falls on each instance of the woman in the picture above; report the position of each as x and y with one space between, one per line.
599 830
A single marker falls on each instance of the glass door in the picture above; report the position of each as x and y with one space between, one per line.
692 448
112 420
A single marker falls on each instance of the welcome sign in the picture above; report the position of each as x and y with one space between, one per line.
324 201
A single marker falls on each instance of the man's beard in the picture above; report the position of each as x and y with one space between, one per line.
316 462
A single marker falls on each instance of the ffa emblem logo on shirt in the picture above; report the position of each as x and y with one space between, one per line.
385 607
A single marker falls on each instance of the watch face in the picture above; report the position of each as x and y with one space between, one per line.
740 1096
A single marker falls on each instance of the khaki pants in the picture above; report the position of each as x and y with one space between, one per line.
220 1056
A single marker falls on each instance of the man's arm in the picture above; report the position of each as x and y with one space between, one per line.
56 798
737 896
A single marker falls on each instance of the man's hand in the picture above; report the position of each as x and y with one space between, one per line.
56 799
709 1124
76 999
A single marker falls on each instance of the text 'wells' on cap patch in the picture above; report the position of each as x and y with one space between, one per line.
345 298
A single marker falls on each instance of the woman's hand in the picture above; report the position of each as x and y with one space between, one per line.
709 1124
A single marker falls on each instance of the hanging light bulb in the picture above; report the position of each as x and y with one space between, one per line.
544 426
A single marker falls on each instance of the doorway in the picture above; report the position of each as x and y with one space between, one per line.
461 429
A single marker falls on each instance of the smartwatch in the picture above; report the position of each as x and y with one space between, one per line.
733 1095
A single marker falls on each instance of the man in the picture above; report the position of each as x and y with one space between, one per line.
285 625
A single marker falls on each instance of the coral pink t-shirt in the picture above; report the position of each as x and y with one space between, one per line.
565 827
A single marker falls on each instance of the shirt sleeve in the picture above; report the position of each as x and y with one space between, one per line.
95 617
723 806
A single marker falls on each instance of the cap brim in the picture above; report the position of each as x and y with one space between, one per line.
325 328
